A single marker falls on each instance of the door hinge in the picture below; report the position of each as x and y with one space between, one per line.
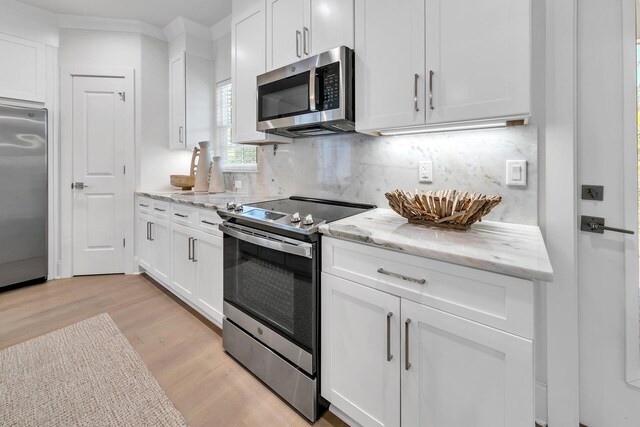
124 243
123 96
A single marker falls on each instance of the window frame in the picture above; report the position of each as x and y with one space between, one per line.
226 141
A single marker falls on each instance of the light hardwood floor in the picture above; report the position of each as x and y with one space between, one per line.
181 349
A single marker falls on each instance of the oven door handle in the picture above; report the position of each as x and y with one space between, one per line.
300 249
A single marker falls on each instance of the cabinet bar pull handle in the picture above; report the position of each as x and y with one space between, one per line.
204 221
401 276
389 355
298 35
143 205
151 231
190 256
148 231
180 134
407 364
305 43
159 210
415 91
181 215
431 73
193 250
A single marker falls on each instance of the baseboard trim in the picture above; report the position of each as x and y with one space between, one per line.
541 404
344 417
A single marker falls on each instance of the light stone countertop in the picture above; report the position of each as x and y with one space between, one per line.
206 200
511 249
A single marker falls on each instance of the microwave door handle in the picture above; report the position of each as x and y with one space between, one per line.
312 89
302 249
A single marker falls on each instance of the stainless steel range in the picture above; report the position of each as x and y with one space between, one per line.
272 292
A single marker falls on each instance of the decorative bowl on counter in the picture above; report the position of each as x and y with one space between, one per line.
442 208
185 182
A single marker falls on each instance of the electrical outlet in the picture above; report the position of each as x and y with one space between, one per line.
237 184
425 171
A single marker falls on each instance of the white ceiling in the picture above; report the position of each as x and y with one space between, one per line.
155 12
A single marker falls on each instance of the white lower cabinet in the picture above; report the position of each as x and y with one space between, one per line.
389 360
154 245
161 235
184 264
456 372
183 251
209 268
360 345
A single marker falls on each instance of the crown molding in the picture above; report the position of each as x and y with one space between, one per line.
182 25
221 28
29 12
78 22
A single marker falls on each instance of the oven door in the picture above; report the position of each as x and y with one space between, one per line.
270 290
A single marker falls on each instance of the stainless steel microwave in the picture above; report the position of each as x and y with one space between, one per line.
312 97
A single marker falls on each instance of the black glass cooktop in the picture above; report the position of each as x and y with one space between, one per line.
295 214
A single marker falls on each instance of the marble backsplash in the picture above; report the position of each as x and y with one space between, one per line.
361 168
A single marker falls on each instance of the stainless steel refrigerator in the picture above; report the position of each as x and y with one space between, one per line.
23 194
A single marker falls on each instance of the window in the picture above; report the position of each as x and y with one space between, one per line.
235 157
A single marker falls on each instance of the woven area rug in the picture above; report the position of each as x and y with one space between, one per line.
86 374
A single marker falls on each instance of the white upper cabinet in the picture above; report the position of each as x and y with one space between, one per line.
285 22
480 59
177 102
298 29
191 100
390 63
22 74
330 24
441 61
248 60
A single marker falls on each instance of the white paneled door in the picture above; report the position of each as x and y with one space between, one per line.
102 119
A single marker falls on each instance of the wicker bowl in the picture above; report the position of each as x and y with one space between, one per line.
442 208
185 182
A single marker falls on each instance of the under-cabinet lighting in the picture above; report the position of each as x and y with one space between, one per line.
465 126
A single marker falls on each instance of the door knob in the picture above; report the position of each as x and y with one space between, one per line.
594 224
78 185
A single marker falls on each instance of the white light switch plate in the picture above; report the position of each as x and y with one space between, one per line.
238 184
517 173
425 171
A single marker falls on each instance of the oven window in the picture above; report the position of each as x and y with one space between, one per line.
274 287
284 98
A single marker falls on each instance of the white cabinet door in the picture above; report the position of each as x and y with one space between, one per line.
389 63
161 235
22 74
360 351
199 100
145 245
247 61
208 255
285 19
462 373
177 102
480 58
328 24
183 266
